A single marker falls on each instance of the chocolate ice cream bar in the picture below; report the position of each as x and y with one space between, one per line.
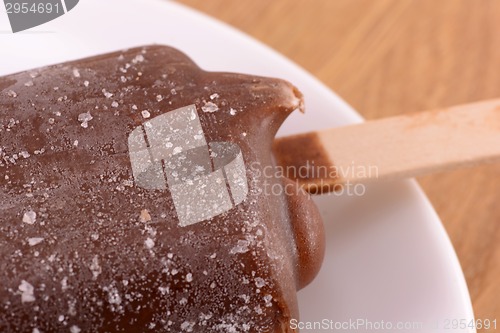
138 194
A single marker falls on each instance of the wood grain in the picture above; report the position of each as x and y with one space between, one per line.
387 57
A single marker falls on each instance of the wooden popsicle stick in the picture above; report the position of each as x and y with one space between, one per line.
392 148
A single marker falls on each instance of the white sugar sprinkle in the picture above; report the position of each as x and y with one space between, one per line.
86 83
114 296
107 94
64 283
12 93
95 267
232 111
76 73
159 98
187 326
114 104
24 154
75 329
145 114
138 58
29 217
260 282
27 292
210 107
241 247
268 299
189 277
214 96
164 290
84 118
149 243
34 241
29 84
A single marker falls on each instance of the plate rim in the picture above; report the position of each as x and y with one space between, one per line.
352 116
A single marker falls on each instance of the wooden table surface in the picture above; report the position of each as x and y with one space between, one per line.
388 57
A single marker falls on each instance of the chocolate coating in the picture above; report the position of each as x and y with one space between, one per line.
83 248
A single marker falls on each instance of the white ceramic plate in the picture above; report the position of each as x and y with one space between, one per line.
388 257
